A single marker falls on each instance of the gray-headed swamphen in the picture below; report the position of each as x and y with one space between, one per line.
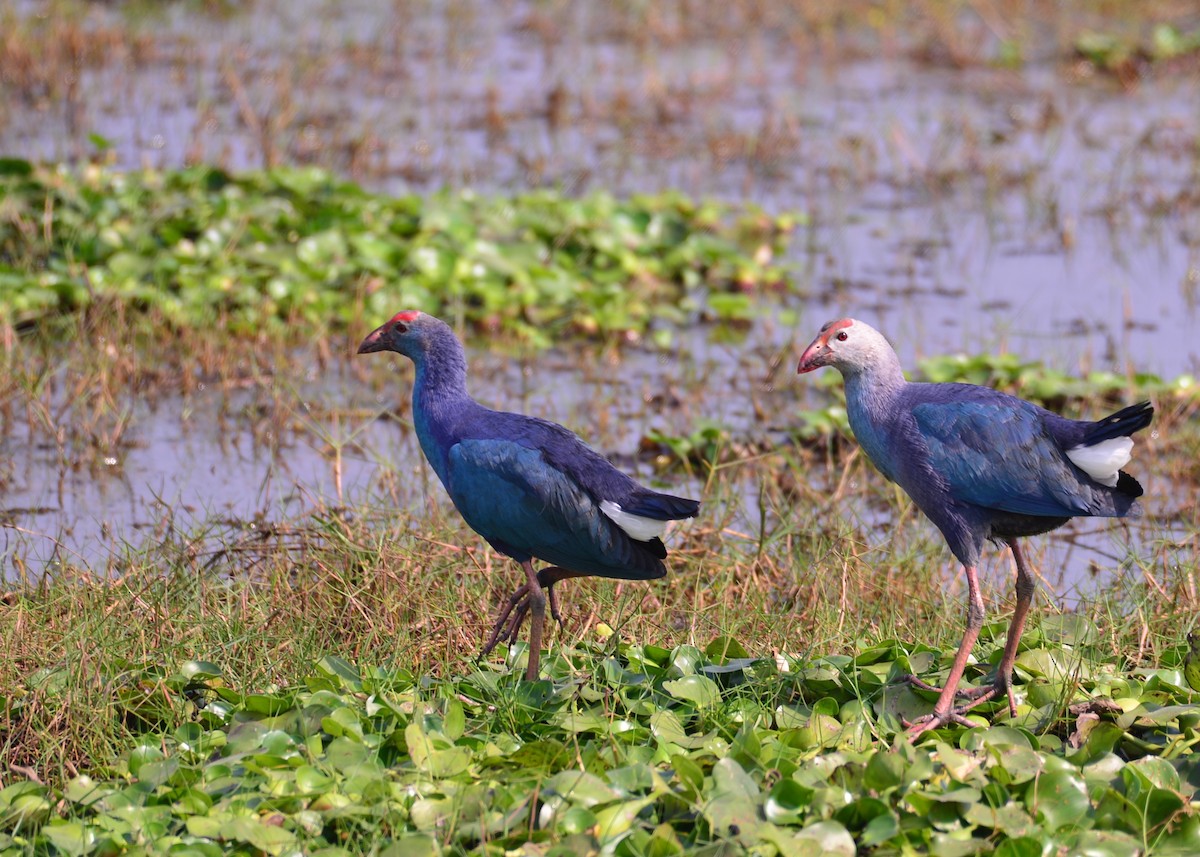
530 487
981 465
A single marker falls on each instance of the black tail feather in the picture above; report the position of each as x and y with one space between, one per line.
1128 486
661 507
1121 424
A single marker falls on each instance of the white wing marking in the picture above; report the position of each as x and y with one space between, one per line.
635 526
1102 460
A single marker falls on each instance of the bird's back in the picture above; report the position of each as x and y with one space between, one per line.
534 489
999 452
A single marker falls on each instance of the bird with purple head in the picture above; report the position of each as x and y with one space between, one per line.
530 487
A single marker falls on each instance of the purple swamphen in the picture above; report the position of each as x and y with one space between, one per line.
981 465
530 487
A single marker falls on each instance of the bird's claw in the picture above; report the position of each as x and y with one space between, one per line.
969 693
503 628
936 720
973 695
513 615
555 613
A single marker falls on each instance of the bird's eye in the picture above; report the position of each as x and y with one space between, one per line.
842 336
400 327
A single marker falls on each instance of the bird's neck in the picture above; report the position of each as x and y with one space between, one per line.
440 401
870 399
876 385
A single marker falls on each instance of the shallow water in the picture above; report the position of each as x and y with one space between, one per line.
968 210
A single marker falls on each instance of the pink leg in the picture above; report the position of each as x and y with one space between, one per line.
537 620
1025 588
943 710
1026 584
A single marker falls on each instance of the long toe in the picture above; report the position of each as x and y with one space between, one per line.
936 720
555 612
514 626
967 693
500 629
974 696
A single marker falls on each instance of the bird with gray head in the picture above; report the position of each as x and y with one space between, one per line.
530 487
982 465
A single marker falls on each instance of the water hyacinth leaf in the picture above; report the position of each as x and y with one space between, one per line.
309 780
576 820
688 773
337 668
70 837
343 722
435 757
1020 846
268 703
885 770
685 660
1149 715
1069 629
413 845
142 755
344 754
1059 799
200 670
84 790
1021 764
667 728
23 804
614 820
454 721
880 829
1151 772
732 809
699 689
722 649
1009 819
157 772
268 838
786 802
582 788
830 837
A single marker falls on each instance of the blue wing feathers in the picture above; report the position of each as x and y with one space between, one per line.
526 507
999 454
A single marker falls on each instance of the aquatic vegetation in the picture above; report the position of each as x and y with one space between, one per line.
1118 55
265 251
637 749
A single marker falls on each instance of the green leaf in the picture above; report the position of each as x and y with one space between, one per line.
885 770
413 845
200 670
722 649
339 669
698 689
1059 799
830 837
70 837
582 788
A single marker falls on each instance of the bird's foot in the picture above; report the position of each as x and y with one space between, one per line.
504 628
513 615
936 720
973 697
970 693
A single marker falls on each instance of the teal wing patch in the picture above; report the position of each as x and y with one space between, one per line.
1000 457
